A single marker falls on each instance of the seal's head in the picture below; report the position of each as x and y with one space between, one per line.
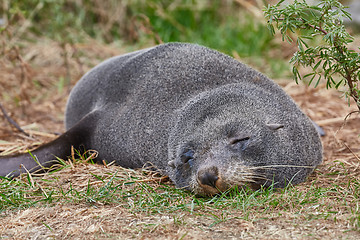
224 138
209 167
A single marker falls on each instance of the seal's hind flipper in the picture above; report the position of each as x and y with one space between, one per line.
46 155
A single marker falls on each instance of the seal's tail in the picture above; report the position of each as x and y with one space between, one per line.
46 155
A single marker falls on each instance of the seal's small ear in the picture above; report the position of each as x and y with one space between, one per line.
274 126
319 129
171 164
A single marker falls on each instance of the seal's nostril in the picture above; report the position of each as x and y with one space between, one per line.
208 178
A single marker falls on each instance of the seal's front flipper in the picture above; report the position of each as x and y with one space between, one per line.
46 155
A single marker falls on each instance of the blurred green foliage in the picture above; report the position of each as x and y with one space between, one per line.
215 23
330 59
219 24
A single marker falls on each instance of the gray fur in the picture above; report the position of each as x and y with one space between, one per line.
182 101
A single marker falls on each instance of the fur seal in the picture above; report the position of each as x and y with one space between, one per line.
204 119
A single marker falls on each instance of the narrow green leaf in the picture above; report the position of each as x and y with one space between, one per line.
338 84
316 65
318 81
311 79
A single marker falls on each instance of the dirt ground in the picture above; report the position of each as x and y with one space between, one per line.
39 107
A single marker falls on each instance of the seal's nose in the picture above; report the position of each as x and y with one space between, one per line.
208 176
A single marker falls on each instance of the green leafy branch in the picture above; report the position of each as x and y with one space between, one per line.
332 58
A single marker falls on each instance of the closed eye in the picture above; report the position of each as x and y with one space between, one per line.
185 159
188 155
237 140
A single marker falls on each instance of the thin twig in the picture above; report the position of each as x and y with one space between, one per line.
11 121
353 153
317 28
351 113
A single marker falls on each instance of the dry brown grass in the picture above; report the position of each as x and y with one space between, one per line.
39 108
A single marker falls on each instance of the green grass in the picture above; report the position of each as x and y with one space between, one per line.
123 188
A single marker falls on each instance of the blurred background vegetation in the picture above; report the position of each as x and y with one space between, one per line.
236 27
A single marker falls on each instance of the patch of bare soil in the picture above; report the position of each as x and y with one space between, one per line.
31 95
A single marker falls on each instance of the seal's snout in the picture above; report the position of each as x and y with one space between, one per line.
208 177
210 180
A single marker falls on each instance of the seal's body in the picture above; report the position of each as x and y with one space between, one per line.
201 117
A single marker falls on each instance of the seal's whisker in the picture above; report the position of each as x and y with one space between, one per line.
276 166
262 178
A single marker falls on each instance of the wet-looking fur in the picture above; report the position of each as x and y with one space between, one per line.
203 118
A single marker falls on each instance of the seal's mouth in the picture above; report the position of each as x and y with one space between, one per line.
213 190
213 180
